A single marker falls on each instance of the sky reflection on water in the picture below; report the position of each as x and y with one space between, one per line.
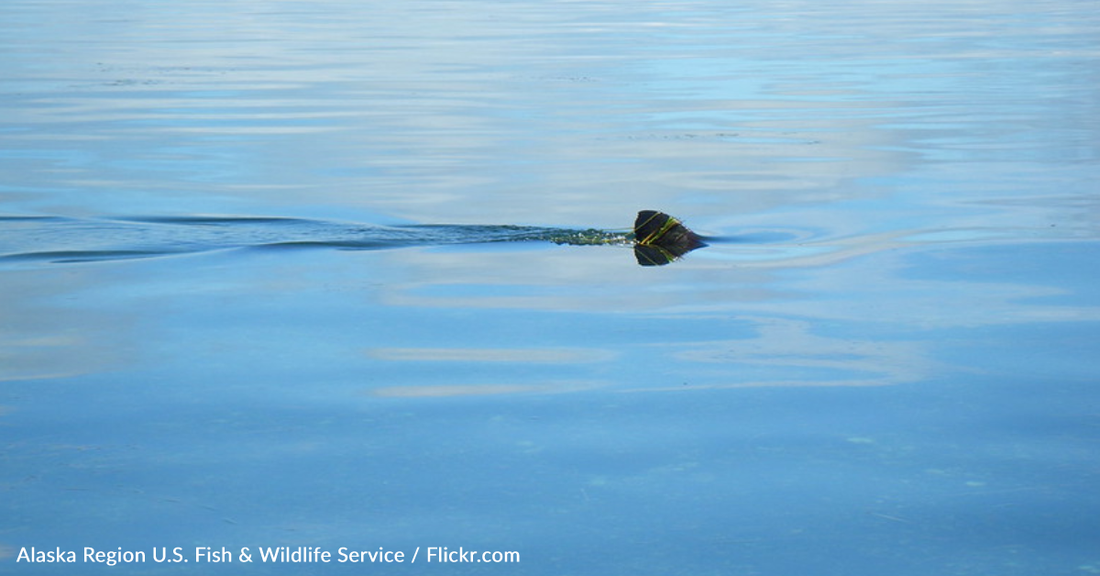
885 364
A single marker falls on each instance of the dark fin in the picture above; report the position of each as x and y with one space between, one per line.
660 239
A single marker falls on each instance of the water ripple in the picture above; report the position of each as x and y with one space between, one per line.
67 240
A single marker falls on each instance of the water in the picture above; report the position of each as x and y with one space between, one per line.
888 366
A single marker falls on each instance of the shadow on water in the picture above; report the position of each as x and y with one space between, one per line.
658 238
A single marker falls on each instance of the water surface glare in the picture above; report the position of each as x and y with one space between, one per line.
314 274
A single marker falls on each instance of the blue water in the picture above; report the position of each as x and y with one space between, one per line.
887 364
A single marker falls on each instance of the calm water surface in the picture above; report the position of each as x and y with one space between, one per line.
887 365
